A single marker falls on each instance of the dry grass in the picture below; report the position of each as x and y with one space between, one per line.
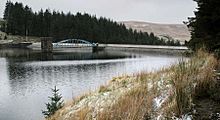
191 79
134 105
137 103
82 114
187 80
103 89
174 88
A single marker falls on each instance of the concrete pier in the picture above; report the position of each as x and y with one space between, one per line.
46 44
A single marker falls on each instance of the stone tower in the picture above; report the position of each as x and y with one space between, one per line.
46 44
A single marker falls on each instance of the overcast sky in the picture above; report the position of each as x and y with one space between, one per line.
159 11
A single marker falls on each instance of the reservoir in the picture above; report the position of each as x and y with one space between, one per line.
27 76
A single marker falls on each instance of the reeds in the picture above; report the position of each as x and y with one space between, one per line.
191 79
134 105
176 87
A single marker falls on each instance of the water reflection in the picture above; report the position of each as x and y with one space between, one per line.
21 55
26 76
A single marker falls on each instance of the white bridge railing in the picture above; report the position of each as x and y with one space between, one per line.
73 43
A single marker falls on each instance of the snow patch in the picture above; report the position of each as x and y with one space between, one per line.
158 101
184 117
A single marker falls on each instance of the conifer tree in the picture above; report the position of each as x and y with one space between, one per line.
205 26
55 103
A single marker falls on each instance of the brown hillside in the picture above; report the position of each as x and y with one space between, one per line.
176 31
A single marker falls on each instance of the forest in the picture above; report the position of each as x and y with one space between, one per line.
205 26
22 20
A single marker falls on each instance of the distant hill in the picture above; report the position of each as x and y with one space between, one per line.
176 31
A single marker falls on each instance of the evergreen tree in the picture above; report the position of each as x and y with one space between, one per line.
7 15
55 104
205 26
23 21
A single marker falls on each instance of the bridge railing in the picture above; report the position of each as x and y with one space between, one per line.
74 43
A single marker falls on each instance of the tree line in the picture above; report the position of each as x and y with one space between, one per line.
21 20
205 26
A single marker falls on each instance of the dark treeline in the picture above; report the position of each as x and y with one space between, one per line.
21 20
205 26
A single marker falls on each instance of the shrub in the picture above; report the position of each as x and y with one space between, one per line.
55 104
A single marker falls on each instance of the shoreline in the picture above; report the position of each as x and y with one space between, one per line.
120 47
148 95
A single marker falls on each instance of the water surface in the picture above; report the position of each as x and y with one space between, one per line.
27 76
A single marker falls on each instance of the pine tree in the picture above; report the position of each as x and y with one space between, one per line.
205 26
6 16
55 104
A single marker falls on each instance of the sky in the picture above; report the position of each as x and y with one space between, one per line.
157 11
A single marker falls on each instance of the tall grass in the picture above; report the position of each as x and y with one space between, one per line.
191 79
134 105
178 86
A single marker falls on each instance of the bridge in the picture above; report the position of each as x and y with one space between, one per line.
72 43
47 46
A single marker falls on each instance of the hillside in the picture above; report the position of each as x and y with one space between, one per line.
176 31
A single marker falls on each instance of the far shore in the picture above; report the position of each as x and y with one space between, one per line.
127 47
